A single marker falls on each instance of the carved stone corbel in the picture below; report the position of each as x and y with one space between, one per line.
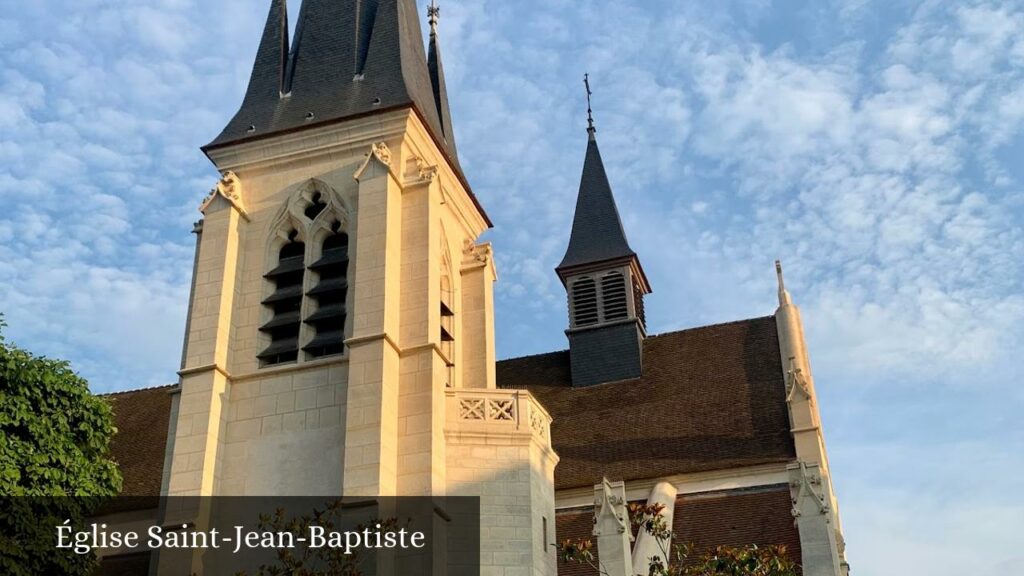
418 172
795 382
476 255
806 484
611 527
379 152
611 509
229 187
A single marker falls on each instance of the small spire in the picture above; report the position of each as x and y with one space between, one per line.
784 299
433 14
590 112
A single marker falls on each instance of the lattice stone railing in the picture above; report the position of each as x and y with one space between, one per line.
499 410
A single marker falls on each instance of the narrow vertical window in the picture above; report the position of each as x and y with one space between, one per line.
584 301
613 296
329 293
544 535
285 303
447 324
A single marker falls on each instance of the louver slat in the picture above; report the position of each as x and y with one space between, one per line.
285 293
329 259
279 348
332 286
287 266
326 313
279 320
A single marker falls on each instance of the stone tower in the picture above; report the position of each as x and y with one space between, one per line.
340 334
605 282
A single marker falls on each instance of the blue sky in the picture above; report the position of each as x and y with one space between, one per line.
875 146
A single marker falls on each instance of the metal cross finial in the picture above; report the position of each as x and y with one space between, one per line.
590 112
433 13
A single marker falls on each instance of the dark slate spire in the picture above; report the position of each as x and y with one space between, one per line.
605 283
597 233
436 70
268 74
350 58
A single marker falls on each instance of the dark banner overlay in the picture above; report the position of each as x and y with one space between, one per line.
251 536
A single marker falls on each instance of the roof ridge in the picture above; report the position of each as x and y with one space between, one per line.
134 390
691 329
715 325
551 353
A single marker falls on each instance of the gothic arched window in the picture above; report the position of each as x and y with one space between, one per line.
329 293
286 303
305 314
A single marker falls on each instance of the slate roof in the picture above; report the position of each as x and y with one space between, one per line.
597 233
435 67
733 518
709 398
349 59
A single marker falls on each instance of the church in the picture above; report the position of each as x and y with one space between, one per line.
340 336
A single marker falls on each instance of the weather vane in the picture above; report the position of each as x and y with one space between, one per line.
433 13
590 112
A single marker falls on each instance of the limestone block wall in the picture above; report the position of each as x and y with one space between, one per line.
498 448
285 433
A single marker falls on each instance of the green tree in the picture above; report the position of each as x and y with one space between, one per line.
683 559
55 460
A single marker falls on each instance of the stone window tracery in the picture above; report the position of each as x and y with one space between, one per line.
307 302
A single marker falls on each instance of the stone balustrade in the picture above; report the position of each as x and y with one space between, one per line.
509 411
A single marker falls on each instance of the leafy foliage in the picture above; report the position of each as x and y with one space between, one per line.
684 560
54 460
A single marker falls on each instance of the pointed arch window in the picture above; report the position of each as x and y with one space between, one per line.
329 294
285 303
306 311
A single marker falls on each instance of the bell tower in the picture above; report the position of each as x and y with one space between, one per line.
604 280
340 289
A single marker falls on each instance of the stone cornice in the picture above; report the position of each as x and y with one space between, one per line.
349 138
698 482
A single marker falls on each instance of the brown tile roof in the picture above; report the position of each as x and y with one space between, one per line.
734 518
709 398
141 417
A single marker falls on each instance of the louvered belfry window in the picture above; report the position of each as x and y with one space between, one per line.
329 293
286 304
596 299
584 302
613 296
638 303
